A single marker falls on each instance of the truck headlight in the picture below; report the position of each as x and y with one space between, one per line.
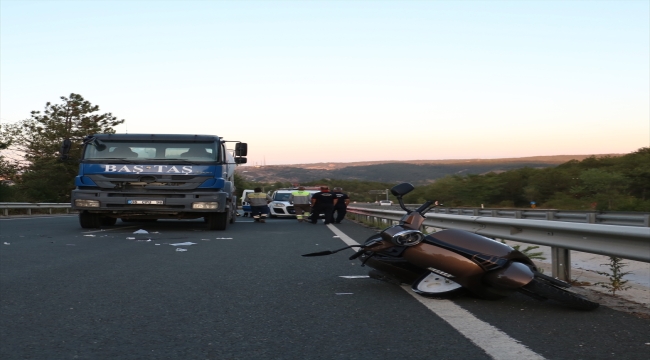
205 205
86 203
278 205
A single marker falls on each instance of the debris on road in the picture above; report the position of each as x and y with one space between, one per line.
183 244
181 249
141 231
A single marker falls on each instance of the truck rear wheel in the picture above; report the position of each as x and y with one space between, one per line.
217 221
89 221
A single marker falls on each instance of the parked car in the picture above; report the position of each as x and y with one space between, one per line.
280 206
385 202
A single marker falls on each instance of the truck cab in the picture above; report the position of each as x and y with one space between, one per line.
156 176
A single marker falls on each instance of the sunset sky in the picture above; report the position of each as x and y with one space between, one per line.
343 81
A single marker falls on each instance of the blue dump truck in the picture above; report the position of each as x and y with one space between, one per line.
145 177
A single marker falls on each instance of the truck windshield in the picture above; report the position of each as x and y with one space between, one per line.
124 150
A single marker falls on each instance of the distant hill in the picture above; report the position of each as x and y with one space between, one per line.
413 171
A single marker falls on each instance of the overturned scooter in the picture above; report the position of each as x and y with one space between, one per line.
450 261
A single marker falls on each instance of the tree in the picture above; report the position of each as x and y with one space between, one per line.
39 138
604 185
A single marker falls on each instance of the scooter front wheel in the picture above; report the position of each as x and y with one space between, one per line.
434 285
546 290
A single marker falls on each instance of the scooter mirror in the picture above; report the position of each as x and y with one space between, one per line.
402 189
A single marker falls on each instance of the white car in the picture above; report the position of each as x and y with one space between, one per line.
280 206
385 202
246 207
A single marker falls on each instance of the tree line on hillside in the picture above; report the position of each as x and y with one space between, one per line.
392 172
595 183
606 183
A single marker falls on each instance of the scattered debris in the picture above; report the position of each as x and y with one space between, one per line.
355 276
183 244
130 238
141 232
336 236
223 238
91 235
344 293
6 243
156 244
181 249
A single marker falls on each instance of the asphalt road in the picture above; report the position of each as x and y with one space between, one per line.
246 293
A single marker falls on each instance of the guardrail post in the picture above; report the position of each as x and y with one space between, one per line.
550 215
6 212
50 211
29 211
561 263
591 218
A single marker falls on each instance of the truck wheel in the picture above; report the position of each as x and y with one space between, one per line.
108 221
217 221
89 221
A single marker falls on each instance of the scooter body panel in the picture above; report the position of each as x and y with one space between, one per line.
466 240
511 277
426 256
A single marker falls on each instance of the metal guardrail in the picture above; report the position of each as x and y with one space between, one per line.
628 242
591 217
6 206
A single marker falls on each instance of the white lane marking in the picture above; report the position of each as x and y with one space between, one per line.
346 239
493 341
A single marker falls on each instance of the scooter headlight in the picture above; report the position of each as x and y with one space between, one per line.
407 238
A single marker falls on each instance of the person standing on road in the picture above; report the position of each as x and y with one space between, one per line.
341 206
259 204
322 202
301 201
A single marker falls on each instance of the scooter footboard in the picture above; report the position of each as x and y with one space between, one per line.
511 277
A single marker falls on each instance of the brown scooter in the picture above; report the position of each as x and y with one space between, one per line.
450 261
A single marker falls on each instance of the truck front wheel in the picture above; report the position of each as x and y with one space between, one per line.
217 221
89 221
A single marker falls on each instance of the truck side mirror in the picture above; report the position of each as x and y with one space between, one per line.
241 160
65 149
241 149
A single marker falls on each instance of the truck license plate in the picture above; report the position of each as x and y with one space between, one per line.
145 202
